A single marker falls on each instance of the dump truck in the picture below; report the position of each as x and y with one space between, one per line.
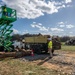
39 44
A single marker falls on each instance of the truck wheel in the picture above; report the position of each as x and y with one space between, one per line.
46 51
38 51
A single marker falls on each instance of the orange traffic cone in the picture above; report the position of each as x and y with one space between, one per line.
32 53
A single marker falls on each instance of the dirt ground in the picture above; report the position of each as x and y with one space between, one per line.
62 61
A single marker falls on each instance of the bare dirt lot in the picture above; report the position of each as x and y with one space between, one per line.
62 61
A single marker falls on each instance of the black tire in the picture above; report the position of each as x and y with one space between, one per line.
46 51
45 48
38 50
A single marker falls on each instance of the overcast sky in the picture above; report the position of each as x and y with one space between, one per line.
54 17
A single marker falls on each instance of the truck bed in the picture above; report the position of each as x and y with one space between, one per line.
36 39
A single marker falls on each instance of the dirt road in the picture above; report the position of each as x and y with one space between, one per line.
62 61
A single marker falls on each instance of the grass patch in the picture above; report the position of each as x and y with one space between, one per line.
68 48
62 43
16 67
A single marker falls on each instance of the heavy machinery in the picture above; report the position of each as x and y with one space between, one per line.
7 16
39 43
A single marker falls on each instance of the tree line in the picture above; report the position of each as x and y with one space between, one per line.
21 37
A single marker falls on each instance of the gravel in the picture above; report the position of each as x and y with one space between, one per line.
66 63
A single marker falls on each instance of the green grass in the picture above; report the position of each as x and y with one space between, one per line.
67 47
70 48
63 43
18 67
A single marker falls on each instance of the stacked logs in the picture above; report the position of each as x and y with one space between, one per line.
18 53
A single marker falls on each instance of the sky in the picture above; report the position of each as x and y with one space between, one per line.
53 17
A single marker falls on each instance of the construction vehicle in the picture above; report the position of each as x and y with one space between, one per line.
7 17
39 43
